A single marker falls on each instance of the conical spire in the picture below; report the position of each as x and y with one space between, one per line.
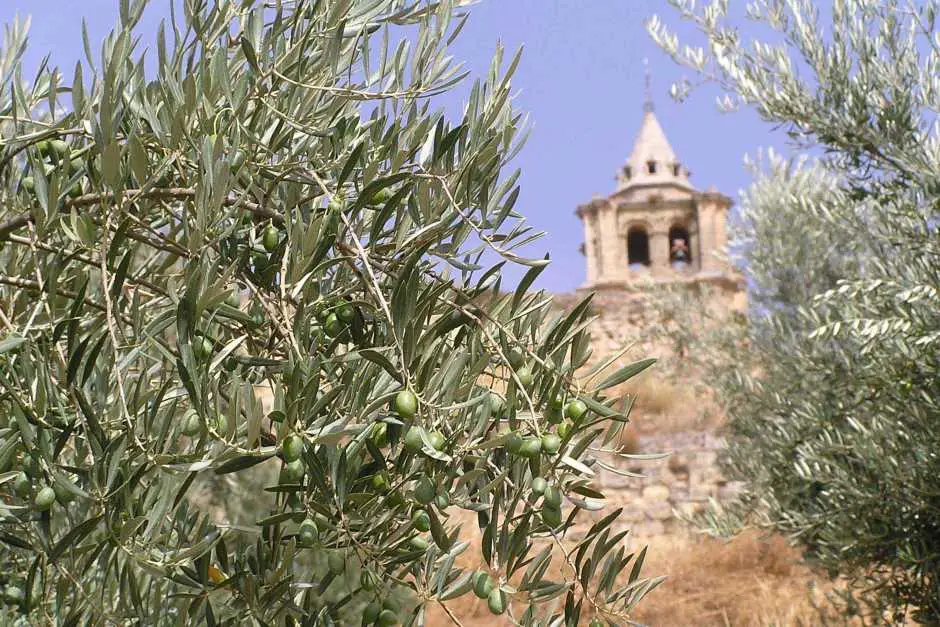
653 161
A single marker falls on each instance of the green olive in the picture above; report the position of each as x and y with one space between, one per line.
418 543
538 486
346 313
496 404
192 423
332 325
59 149
387 618
442 500
553 497
413 438
294 471
260 262
514 444
496 601
202 347
437 440
516 358
425 491
381 197
370 613
44 499
29 184
406 404
379 434
270 238
564 429
576 409
22 485
308 533
379 482
530 448
551 443
482 584
421 520
292 448
525 376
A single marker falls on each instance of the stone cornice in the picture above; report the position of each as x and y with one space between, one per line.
712 196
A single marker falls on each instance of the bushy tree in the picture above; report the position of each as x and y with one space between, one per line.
834 411
267 204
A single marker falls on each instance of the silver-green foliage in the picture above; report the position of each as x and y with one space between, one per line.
834 409
269 201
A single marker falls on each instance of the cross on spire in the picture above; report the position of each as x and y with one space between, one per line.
648 103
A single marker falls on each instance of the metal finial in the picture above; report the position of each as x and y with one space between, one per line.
648 104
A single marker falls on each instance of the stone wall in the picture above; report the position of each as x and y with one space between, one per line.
681 483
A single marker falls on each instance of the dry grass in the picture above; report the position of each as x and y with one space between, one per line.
747 582
750 581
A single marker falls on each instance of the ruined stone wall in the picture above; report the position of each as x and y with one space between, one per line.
679 484
682 483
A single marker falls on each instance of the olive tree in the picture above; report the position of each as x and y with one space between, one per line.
256 257
833 412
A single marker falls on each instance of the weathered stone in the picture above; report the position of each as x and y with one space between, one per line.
698 492
656 492
633 513
689 509
659 510
679 464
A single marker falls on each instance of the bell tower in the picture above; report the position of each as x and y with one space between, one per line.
656 224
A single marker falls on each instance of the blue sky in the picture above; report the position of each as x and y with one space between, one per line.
580 79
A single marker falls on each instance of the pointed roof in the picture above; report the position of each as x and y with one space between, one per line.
652 147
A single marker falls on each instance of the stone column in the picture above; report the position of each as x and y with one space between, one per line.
659 249
590 252
721 235
613 258
706 221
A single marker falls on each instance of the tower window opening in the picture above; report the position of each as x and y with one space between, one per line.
676 169
651 167
638 247
627 172
680 251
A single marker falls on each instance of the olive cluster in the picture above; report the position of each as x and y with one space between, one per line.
56 155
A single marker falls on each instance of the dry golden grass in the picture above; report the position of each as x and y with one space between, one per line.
749 581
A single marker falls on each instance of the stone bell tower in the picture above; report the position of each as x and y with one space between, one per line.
656 225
